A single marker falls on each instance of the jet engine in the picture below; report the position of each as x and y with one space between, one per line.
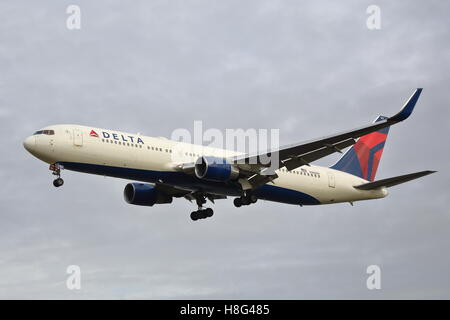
144 195
215 169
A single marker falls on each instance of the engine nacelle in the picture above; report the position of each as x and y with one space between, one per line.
215 169
144 195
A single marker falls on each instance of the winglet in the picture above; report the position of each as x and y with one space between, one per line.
407 108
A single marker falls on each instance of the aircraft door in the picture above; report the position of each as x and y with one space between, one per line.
331 180
77 137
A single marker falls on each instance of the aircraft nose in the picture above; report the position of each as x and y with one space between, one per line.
29 143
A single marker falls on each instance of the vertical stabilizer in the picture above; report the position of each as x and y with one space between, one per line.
363 158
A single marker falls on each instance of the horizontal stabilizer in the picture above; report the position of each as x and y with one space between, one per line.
389 182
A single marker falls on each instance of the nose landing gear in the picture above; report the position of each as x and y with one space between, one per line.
56 171
58 182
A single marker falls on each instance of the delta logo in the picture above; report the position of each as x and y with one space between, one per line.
118 137
93 134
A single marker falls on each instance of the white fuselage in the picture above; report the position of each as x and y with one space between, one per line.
149 159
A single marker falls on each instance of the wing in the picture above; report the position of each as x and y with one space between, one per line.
188 194
210 196
171 191
295 155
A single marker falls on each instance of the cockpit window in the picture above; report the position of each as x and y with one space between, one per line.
47 132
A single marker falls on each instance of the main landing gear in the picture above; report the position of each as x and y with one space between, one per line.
245 200
56 171
201 213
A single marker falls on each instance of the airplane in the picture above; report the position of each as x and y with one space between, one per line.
204 173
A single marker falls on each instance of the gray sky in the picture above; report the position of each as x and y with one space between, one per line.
309 68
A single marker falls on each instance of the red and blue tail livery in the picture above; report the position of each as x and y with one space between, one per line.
363 158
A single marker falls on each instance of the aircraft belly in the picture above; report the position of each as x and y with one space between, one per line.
172 178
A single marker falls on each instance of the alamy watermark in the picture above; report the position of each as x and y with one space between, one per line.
73 21
373 282
233 144
373 21
73 282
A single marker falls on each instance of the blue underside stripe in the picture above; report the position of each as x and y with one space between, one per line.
182 180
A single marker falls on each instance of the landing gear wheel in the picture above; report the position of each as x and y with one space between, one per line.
58 182
194 216
209 212
202 214
245 200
